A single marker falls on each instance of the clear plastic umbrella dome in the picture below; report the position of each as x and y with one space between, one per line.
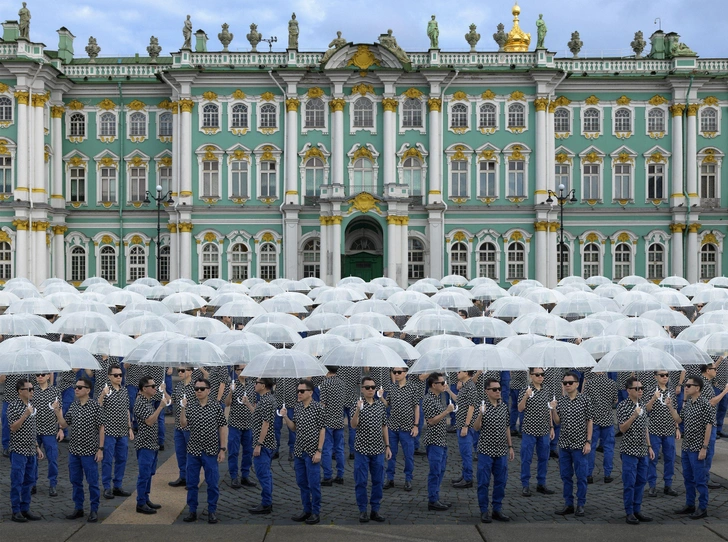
685 352
354 332
440 342
639 307
667 317
362 354
87 306
75 356
24 291
696 332
146 323
691 289
315 292
296 286
384 282
183 302
106 343
485 327
377 306
147 281
283 305
408 295
715 344
24 324
719 282
280 318
32 361
201 327
404 349
6 298
626 298
711 306
453 280
481 281
339 294
383 324
224 338
203 291
233 287
214 283
580 307
252 281
543 296
265 290
544 324
33 305
58 287
319 345
638 359
313 282
572 279
19 343
608 316
632 280
284 364
483 357
61 299
557 354
185 352
516 289
414 306
712 317
297 297
436 322
423 288
610 290
452 300
175 317
432 361
636 328
573 287
708 295
672 298
324 322
487 292
229 297
83 323
123 298
159 292
333 307
123 316
599 347
93 280
138 289
520 343
646 287
674 282
350 280
385 292
513 307
589 327
237 309
245 350
274 333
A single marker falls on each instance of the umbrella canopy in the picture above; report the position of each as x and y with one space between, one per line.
385 292
183 302
609 290
333 307
61 299
715 344
545 324
280 318
228 297
579 307
480 281
19 343
667 317
201 327
24 324
374 305
265 290
599 347
106 343
520 343
404 349
363 354
23 291
720 305
639 359
695 332
433 361
239 309
636 328
685 352
423 288
93 280
672 298
8 297
84 322
159 292
543 296
709 295
274 333
454 280
32 305
313 282
719 282
488 292
440 342
146 323
354 332
483 357
284 305
73 355
185 352
553 354
380 322
324 322
452 300
123 298
339 294
692 289
228 336
674 282
414 306
632 280
284 364
32 361
639 307
513 307
589 327
155 307
524 285
87 305
436 322
712 317
484 327
608 316
245 350
319 345
296 286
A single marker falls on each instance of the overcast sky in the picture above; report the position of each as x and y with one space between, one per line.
123 28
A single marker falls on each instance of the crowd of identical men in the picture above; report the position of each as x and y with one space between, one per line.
219 414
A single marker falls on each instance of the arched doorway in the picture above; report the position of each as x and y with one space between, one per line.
364 250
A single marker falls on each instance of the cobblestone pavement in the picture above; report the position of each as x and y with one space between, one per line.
604 502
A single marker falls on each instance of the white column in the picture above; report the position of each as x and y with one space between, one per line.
21 247
173 249
550 149
435 167
59 263
404 239
176 146
676 195
290 244
337 143
392 222
692 248
677 250
541 150
185 250
57 199
436 235
40 262
39 188
185 190
389 153
290 153
542 272
324 244
336 250
692 158
553 246
22 191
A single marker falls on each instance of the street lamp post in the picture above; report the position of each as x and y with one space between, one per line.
159 199
562 198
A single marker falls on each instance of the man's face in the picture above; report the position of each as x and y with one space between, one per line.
149 389
202 390
635 391
82 389
400 373
692 389
368 388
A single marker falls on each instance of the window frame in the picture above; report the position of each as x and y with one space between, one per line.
101 125
707 133
214 268
262 113
599 252
267 265
131 121
133 267
561 134
243 129
618 122
7 260
657 134
209 120
403 125
272 154
310 118
7 111
164 137
622 248
516 263
488 129
705 263
514 116
459 267
314 265
495 263
411 263
592 134
70 123
234 263
652 264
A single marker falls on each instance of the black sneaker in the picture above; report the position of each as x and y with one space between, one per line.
339 480
327 482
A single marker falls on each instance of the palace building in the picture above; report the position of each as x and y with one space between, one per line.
364 160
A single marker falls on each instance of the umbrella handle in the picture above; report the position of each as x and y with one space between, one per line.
50 405
454 410
380 392
232 385
278 412
482 407
240 402
549 404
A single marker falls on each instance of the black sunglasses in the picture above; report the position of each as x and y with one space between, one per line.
116 374
538 374
663 375
568 382
42 374
150 386
369 387
440 383
82 387
27 389
203 388
303 390
493 389
691 385
398 372
181 370
638 388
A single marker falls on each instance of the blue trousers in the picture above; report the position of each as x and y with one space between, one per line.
437 457
238 438
696 474
116 450
23 473
720 409
181 438
5 427
465 444
50 445
80 466
408 450
262 472
554 446
420 426
711 450
147 460
161 429
516 417
67 398
634 478
573 462
308 478
333 447
667 444
349 411
606 435
364 465
277 427
541 444
497 467
212 479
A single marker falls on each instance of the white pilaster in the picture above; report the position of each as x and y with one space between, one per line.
173 250
185 249
176 147
40 246
434 194
542 271
324 244
22 190
692 159
337 140
677 250
692 248
336 250
389 140
185 191
39 189
553 236
676 195
436 235
290 153
550 149
290 244
541 151
403 244
57 198
59 263
392 222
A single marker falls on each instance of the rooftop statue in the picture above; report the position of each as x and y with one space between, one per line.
473 37
390 42
187 33
254 37
24 15
540 32
337 43
293 32
433 33
225 36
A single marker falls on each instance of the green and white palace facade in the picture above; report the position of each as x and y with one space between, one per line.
361 161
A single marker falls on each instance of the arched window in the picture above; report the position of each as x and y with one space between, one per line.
708 261
268 116
623 120
590 267
622 261
363 176
239 262
268 262
516 261
77 124
165 124
312 258
239 178
363 113
487 116
6 261
137 263
314 176
488 260
315 113
164 264
591 120
108 125
210 116
107 264
415 259
239 116
459 116
656 261
362 244
562 268
562 120
412 113
210 261
78 264
708 120
656 120
516 116
412 170
138 124
6 109
459 259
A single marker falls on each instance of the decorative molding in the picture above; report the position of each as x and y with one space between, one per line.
412 93
434 104
592 100
106 105
315 92
362 89
364 202
516 96
657 100
136 105
623 100
210 96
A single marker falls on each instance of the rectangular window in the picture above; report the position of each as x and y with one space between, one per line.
268 265
210 179
459 178
416 265
6 261
77 184
516 178
78 265
591 181
164 265
240 271
137 266
314 180
268 179
708 186
656 181
6 175
622 176
311 263
487 266
562 177
516 266
137 183
486 180
164 179
655 265
107 188
239 178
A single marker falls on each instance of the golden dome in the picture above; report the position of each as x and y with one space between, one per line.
518 40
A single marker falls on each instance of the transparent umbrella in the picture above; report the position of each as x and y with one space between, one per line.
610 290
354 332
318 345
87 306
429 280
520 343
339 294
32 361
84 322
711 306
214 283
93 280
385 292
417 305
483 357
381 323
696 332
719 282
672 298
626 298
543 296
524 285
281 318
423 288
147 281
439 342
123 298
452 300
146 323
484 327
19 343
554 354
138 289
362 355
233 287
646 287
201 290
297 297
674 282
579 307
249 283
226 337
313 282
7 297
607 316
297 286
333 307
274 333
350 280
638 359
283 305
513 307
175 317
59 287
692 289
324 322
712 317
24 291
572 279
377 306
715 344
708 295
61 299
589 327
201 327
599 347
155 307
284 364
667 317
639 307
436 322
159 292
74 356
685 352
229 297
107 343
244 350
480 281
486 292
33 305
265 290
185 352
24 324
404 349
432 361
238 309
636 328
546 325
183 302
632 280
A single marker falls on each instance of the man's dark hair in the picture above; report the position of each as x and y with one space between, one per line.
630 382
112 367
573 374
143 381
86 381
698 381
367 378
704 367
434 377
308 383
532 370
332 368
20 383
267 382
491 381
205 381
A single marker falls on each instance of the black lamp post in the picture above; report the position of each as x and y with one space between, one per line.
159 199
562 199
